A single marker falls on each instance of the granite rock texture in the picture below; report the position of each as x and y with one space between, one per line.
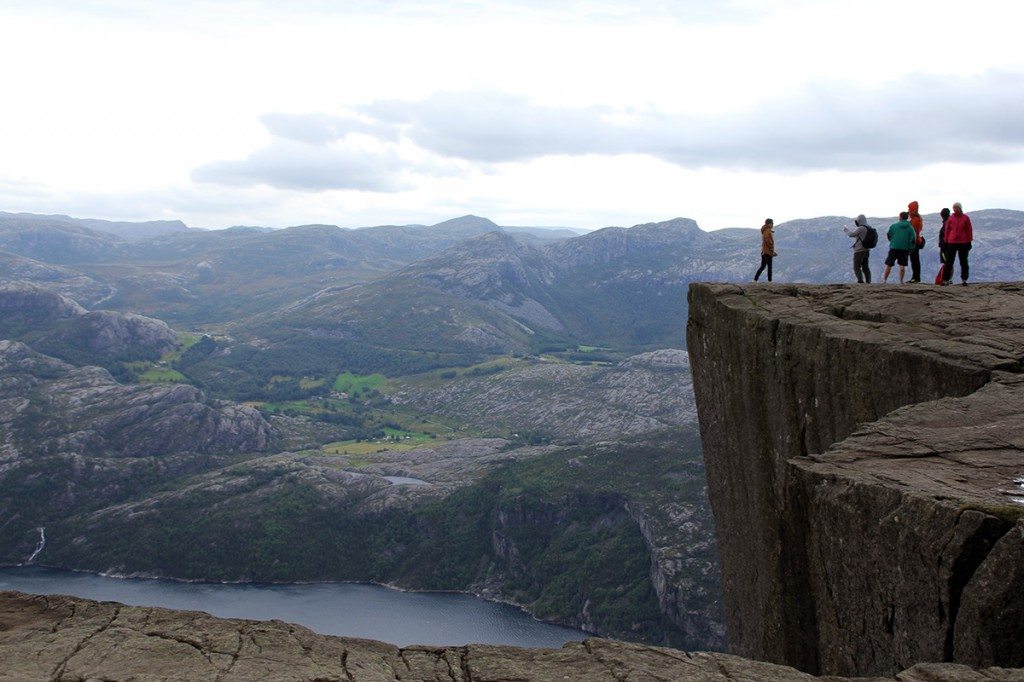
865 457
63 638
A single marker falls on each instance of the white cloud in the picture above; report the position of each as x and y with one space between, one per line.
286 164
320 128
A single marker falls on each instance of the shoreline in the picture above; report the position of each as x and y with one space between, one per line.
388 586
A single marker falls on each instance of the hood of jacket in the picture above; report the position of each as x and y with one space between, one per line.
912 207
861 221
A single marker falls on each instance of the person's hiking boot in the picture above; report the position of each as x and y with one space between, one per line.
963 283
914 281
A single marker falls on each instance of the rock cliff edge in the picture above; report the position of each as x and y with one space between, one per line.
63 638
865 458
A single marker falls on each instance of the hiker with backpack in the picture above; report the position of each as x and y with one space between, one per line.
901 242
767 248
916 222
865 238
957 236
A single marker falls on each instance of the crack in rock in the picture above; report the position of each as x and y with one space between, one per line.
58 671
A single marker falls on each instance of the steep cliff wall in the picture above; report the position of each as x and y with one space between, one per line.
864 457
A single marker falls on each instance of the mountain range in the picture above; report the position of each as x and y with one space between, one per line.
499 289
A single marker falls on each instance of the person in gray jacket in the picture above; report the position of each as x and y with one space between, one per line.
861 253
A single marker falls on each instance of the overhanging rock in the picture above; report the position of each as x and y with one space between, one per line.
865 457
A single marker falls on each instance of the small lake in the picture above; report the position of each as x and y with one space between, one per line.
346 609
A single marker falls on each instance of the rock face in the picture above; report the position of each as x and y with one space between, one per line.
63 638
54 323
865 458
27 306
110 334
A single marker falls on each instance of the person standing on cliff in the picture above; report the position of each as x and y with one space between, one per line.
767 248
957 236
861 252
917 223
940 277
901 241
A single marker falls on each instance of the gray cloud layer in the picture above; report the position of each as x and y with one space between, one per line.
901 125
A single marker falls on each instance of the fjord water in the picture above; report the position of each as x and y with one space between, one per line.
346 609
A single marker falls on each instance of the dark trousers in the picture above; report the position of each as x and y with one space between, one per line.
860 266
915 265
959 251
766 262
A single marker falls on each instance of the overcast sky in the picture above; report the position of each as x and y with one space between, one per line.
581 114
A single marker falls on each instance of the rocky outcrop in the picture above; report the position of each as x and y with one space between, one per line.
114 335
27 306
569 402
54 408
63 638
66 281
864 449
59 326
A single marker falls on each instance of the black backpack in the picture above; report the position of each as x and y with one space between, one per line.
870 238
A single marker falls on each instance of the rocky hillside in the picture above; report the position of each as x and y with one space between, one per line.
563 401
864 454
58 408
614 539
28 308
476 296
493 293
56 325
196 276
72 438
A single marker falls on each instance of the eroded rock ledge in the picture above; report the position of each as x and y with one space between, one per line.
63 638
865 456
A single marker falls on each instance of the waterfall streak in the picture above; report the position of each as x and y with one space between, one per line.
39 546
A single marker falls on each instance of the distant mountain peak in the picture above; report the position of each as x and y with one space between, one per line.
673 226
467 222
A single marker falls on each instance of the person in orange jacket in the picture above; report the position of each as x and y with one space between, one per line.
767 248
917 223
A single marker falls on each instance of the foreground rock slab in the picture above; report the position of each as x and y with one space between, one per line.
865 458
64 638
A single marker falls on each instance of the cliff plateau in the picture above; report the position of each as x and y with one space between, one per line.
865 457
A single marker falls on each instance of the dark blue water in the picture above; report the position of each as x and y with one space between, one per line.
347 609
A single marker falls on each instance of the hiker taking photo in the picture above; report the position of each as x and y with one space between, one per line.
865 238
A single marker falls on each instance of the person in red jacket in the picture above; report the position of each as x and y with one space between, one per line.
917 223
957 236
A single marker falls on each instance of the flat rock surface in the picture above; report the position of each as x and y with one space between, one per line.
63 638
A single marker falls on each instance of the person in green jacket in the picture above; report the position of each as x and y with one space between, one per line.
901 240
